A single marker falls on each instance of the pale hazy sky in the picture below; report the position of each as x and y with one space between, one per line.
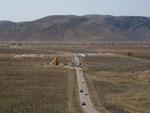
25 10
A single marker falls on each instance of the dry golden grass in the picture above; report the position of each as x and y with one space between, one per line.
21 50
28 85
118 85
114 63
138 50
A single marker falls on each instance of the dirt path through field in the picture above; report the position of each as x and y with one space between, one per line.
85 100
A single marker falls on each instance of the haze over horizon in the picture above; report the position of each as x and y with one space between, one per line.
28 10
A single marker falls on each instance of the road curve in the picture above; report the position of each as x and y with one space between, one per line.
85 100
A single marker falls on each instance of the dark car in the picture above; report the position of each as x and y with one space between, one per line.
83 103
81 91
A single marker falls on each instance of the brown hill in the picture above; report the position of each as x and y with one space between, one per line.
70 28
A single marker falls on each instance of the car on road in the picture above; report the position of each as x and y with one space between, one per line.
85 94
83 103
77 66
81 91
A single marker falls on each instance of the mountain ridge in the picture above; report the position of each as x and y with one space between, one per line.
73 28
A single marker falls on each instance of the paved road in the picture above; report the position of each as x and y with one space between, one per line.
83 90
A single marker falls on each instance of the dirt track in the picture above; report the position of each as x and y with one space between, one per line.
83 90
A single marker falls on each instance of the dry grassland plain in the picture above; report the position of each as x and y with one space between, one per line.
30 85
118 84
140 50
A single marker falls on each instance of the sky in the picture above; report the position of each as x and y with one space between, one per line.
28 10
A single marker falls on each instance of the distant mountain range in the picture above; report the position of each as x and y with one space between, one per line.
71 28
